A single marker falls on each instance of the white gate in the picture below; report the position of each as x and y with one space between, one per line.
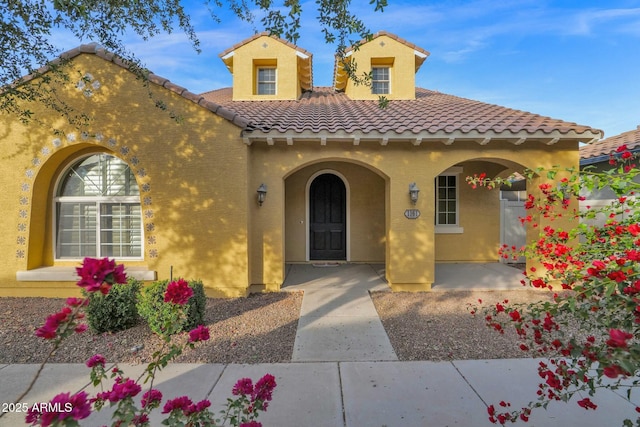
512 231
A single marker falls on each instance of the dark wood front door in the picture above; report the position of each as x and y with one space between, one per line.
327 218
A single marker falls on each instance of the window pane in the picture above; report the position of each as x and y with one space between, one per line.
113 219
380 80
76 230
120 230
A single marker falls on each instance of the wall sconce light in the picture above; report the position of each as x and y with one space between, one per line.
262 194
413 192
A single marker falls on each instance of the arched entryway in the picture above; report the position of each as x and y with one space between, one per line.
327 218
342 203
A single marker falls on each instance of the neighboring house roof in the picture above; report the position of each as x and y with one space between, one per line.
599 151
432 115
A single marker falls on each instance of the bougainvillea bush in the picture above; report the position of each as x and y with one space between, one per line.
593 272
66 409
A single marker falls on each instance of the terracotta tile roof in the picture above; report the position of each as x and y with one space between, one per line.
257 36
393 36
602 148
430 115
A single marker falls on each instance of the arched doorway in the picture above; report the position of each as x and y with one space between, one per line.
327 218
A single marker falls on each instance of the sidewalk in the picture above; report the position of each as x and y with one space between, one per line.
345 394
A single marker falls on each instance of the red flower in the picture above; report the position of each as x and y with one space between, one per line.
178 292
621 148
515 316
634 229
586 403
251 424
618 338
201 333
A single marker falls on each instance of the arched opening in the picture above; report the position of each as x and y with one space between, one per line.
97 210
327 217
364 212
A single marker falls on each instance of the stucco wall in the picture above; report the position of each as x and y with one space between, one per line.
402 71
265 51
410 244
192 172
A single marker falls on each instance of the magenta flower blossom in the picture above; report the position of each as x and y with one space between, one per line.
264 388
179 403
243 387
201 333
99 274
152 398
178 292
77 302
95 360
121 390
62 407
50 328
251 424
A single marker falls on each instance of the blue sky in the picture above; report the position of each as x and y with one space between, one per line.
576 60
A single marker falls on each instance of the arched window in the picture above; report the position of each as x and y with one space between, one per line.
98 210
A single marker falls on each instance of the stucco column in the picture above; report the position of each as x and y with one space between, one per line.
266 225
410 239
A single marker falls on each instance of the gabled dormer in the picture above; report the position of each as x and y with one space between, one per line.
393 63
268 68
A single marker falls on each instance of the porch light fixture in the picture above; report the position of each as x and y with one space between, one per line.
262 194
413 192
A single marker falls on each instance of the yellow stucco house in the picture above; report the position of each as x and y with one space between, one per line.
270 171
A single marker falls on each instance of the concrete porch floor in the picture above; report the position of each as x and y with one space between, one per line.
448 276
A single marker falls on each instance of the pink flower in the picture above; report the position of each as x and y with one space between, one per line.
95 360
201 333
81 328
182 403
243 387
100 274
62 407
264 388
251 424
152 398
50 328
121 390
178 292
77 302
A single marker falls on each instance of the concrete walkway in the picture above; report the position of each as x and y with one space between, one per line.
345 394
338 321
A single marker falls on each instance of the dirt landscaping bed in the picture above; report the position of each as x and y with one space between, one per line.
262 328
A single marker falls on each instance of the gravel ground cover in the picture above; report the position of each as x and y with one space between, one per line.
261 329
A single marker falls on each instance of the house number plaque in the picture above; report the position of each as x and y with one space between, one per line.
412 213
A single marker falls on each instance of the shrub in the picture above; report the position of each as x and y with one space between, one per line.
157 313
116 310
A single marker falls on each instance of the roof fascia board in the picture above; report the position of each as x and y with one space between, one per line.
448 138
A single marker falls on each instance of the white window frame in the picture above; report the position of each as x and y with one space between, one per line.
455 171
387 81
274 81
97 200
